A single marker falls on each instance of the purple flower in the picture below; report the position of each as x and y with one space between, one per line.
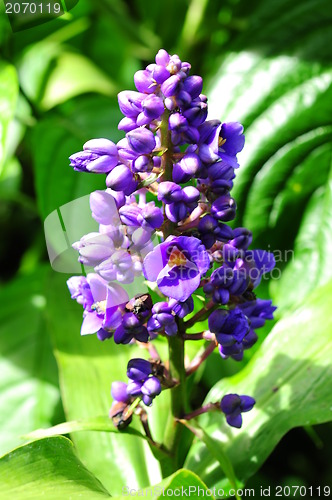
223 208
179 202
258 263
141 140
193 85
94 248
130 103
122 179
139 369
233 405
232 138
76 286
258 311
104 207
99 156
242 238
151 217
162 319
130 328
211 231
181 309
103 304
226 281
177 266
119 392
150 389
153 108
186 168
228 326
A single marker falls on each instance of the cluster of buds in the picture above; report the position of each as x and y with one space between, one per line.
163 215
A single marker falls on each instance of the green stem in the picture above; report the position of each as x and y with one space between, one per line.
177 370
173 430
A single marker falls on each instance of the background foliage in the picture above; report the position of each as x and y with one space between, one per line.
266 64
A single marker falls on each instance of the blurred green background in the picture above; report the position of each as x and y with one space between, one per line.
266 64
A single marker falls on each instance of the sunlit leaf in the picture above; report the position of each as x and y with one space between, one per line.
8 96
29 387
47 468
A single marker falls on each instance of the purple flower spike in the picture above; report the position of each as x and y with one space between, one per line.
177 266
233 405
141 140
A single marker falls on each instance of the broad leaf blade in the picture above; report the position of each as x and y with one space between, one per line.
29 389
48 468
182 483
102 424
8 96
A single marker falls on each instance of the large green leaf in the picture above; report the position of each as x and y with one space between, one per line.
56 182
8 96
87 369
29 384
310 264
290 378
182 483
48 468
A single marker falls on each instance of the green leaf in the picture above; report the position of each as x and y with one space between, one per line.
310 265
56 182
74 74
48 468
290 378
182 483
87 369
8 96
55 139
29 389
103 424
216 450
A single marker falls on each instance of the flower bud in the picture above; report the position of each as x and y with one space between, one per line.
130 102
151 387
193 85
141 140
223 208
121 179
139 369
119 392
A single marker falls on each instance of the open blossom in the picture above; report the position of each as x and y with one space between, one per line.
102 304
177 266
